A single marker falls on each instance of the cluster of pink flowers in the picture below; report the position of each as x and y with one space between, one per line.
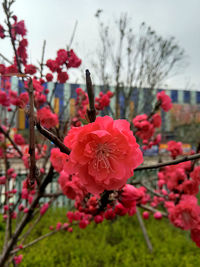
64 59
103 100
165 101
175 149
145 129
47 118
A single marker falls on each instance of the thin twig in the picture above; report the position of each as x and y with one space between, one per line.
144 231
173 162
11 141
53 139
6 59
42 59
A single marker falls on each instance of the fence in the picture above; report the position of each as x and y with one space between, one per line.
147 176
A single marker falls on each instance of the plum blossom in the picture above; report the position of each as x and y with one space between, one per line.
104 153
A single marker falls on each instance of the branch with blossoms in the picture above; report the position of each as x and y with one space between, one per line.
93 156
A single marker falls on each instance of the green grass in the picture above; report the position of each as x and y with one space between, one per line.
120 243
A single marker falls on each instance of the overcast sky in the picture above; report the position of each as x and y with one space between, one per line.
54 20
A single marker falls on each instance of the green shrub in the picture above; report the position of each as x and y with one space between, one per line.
119 243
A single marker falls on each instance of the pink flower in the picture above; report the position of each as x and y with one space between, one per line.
73 60
195 174
47 118
109 214
49 77
104 153
58 226
185 215
18 259
62 77
52 65
18 139
44 208
65 226
83 223
98 219
20 207
19 28
130 195
165 101
195 235
2 180
156 120
2 35
58 159
120 210
2 66
26 210
30 69
62 56
175 148
70 185
145 215
157 215
22 100
145 129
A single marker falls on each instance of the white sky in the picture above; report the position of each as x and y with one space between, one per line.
54 20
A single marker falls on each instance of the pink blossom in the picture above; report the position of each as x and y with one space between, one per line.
104 153
58 159
30 69
157 215
175 148
98 219
20 207
18 259
49 77
83 223
195 235
47 118
109 214
165 101
186 214
120 210
62 77
44 208
26 210
19 139
156 120
2 35
70 185
195 174
58 226
130 195
145 215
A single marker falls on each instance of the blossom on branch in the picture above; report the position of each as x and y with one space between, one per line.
104 153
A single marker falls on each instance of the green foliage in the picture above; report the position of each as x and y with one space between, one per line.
119 243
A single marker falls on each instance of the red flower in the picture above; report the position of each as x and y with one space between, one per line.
30 69
62 77
18 139
165 101
2 35
104 153
49 77
175 148
47 118
52 65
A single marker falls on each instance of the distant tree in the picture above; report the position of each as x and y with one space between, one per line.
132 59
